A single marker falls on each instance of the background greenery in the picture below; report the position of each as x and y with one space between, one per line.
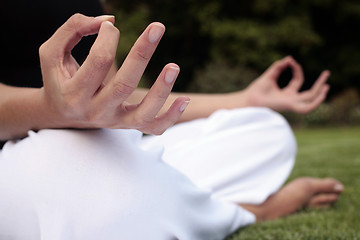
221 45
249 34
322 153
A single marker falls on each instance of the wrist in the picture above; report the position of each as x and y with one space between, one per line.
21 110
239 99
47 115
252 98
55 115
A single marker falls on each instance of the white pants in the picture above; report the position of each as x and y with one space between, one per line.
116 184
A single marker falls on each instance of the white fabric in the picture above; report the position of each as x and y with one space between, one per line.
112 184
242 155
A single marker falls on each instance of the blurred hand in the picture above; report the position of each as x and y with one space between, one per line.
79 97
264 91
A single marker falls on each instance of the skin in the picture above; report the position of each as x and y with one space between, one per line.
76 96
304 192
263 92
98 95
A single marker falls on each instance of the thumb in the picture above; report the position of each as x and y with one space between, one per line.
69 34
275 70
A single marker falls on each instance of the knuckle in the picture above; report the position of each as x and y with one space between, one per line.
43 50
73 24
278 62
102 61
142 54
75 18
162 95
121 88
48 54
116 31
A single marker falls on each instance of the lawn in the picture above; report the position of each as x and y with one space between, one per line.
325 152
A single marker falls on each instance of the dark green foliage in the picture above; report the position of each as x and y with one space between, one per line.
228 42
220 76
249 35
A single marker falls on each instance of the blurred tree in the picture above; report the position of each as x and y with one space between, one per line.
220 76
248 36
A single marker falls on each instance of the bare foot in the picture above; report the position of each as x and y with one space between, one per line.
300 193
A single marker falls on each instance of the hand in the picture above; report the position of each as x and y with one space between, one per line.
264 91
78 96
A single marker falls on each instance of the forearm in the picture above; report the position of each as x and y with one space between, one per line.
21 109
201 105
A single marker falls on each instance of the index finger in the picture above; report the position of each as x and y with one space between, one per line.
316 88
298 75
97 64
274 71
70 33
129 74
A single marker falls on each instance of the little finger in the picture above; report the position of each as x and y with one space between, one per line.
159 92
163 122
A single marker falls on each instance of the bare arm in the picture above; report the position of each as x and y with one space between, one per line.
200 105
262 92
20 110
87 96
90 96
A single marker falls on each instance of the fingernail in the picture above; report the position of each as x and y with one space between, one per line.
171 74
107 22
338 187
105 17
155 33
184 105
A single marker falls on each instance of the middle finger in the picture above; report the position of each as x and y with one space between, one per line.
129 75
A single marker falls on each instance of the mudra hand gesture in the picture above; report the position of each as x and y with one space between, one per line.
90 95
264 91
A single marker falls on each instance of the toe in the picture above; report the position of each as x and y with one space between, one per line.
327 185
322 200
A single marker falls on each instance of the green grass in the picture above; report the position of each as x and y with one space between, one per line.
333 152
